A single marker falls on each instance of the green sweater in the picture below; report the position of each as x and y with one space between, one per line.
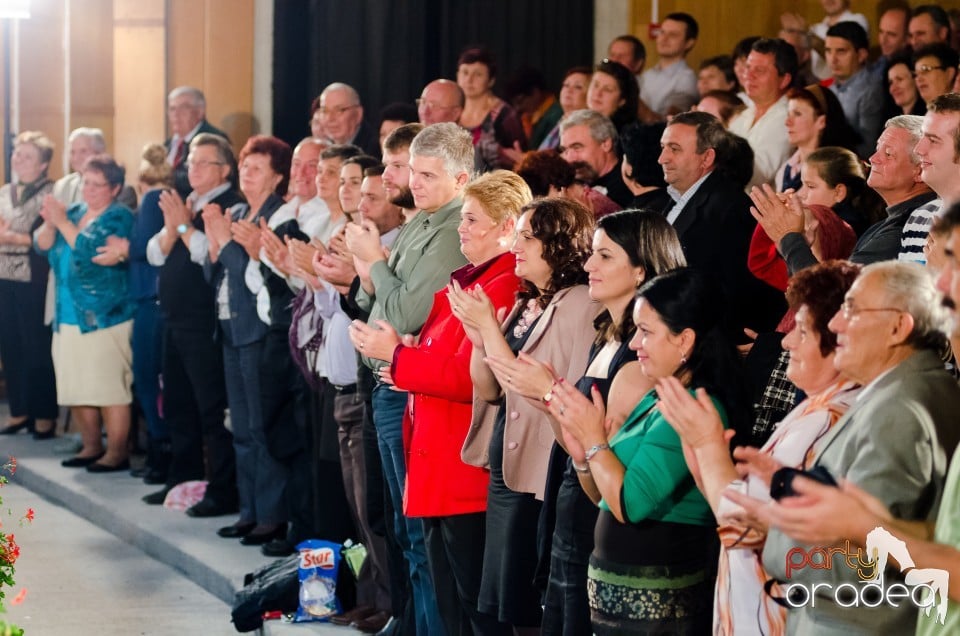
657 484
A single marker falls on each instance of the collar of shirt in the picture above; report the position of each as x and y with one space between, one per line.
197 201
912 203
442 213
854 81
682 199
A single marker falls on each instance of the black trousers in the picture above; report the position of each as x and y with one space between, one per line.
25 350
455 552
194 400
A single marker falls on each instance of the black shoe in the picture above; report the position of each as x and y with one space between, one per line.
155 498
237 530
210 508
262 535
277 548
155 476
80 462
50 433
13 429
97 467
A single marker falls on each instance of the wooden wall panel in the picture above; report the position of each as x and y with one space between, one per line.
210 46
139 71
228 68
91 67
724 22
41 71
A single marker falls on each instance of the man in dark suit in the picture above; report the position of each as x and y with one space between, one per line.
187 115
711 215
342 116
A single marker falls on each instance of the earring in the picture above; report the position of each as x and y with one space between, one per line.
683 358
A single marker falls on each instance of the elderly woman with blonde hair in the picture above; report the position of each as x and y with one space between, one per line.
24 338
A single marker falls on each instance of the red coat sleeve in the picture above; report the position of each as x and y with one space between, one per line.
765 261
441 367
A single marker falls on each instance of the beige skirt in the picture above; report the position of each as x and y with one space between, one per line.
93 369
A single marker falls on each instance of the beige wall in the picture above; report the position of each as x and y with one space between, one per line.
724 22
115 61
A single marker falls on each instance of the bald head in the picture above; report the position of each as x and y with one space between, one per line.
441 101
340 112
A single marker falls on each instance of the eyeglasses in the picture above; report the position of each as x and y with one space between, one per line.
200 163
94 184
923 69
335 111
849 311
424 104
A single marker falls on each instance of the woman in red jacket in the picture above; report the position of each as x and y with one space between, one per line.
450 495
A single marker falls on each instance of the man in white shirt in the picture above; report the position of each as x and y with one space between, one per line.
670 86
771 67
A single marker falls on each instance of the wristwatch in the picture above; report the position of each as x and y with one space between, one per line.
182 228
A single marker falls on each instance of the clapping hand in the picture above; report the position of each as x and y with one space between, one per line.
53 211
247 234
275 249
524 375
374 342
174 210
363 241
474 309
216 224
777 216
695 419
582 421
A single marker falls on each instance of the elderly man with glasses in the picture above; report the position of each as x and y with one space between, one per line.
894 443
341 114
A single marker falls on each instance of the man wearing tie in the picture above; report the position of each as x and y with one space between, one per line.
187 114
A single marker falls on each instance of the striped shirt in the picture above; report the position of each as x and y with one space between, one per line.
916 229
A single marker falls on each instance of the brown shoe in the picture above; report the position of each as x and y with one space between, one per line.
373 623
357 613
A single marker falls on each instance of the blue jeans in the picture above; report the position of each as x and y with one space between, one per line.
147 342
260 478
388 407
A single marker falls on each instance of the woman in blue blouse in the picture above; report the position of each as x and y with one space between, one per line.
653 566
93 319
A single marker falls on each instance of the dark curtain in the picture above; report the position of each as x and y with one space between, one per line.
389 49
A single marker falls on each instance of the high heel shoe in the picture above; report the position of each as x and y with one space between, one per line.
50 433
13 429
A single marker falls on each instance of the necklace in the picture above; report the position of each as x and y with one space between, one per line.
527 318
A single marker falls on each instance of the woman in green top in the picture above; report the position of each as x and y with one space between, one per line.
654 563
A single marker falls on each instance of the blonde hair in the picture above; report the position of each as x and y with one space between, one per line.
500 193
39 141
154 169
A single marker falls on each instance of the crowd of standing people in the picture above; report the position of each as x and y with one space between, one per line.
563 364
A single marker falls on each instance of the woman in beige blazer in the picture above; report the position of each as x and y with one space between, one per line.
551 321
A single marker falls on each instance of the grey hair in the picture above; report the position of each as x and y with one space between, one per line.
601 128
913 124
349 90
198 99
910 288
449 142
95 135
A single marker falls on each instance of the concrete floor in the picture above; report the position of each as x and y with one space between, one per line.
98 561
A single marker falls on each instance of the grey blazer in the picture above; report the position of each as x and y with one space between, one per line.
894 442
